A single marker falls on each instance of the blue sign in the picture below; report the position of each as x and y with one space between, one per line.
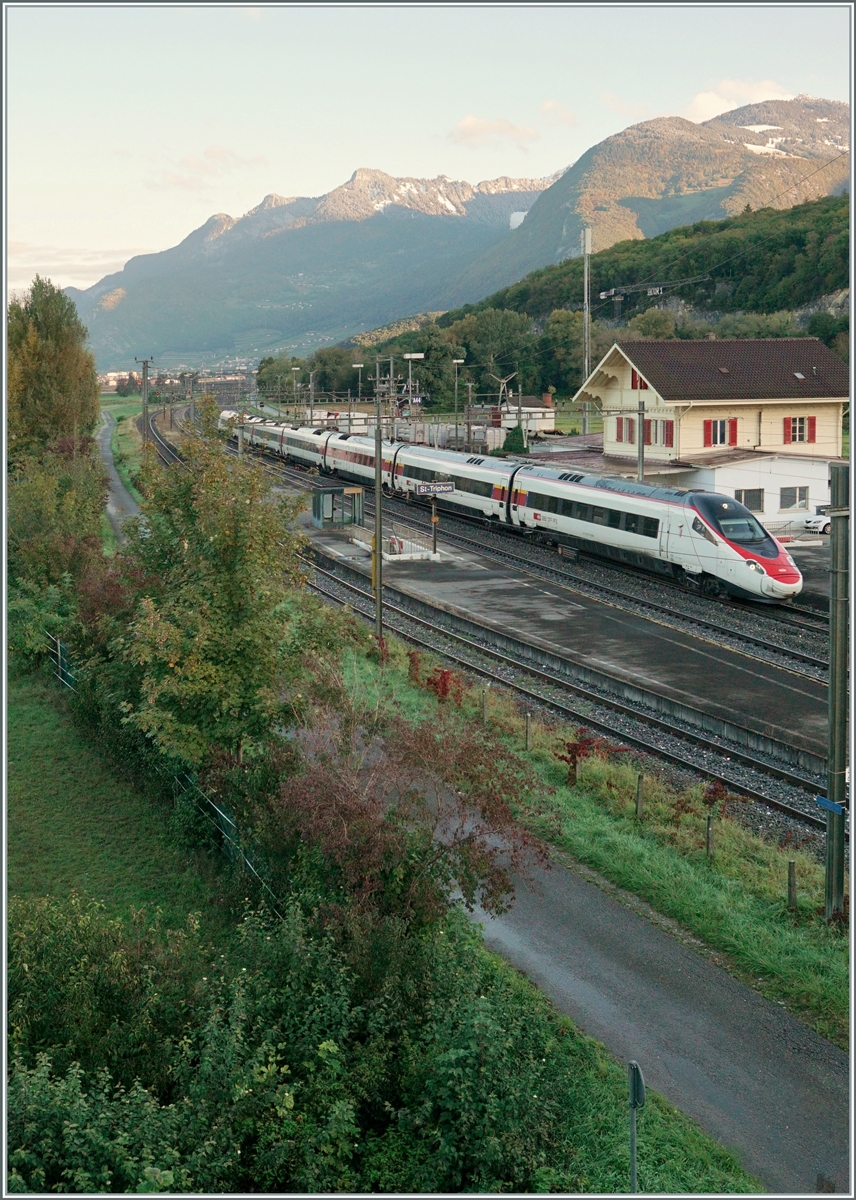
434 489
830 805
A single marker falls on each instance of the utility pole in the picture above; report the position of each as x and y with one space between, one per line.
836 779
640 442
359 367
145 365
469 416
391 397
458 362
311 399
377 540
520 411
585 246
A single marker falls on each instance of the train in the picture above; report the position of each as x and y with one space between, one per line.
708 543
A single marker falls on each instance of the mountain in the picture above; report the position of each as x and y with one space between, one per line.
669 172
296 272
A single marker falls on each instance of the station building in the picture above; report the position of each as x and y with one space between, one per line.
759 419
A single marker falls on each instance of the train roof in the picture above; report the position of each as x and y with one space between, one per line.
625 487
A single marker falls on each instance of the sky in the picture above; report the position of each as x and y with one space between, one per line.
129 125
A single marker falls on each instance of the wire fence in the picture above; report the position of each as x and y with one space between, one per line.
183 783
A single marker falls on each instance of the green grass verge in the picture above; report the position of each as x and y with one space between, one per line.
736 903
126 445
109 540
74 824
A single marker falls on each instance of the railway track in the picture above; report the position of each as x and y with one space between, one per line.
746 774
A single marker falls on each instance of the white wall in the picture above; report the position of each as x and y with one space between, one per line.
768 473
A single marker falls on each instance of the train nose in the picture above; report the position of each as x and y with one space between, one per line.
779 589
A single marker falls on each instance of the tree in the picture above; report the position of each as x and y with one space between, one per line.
129 386
53 386
215 548
654 323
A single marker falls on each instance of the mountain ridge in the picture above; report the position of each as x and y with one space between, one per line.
293 273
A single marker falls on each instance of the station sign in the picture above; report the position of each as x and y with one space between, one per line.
434 489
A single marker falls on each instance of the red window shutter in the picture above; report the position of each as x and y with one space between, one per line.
630 425
787 433
634 378
732 432
812 429
619 429
647 434
668 433
708 433
643 385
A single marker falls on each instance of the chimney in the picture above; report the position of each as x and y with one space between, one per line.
547 399
711 337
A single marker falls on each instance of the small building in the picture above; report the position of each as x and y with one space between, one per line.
773 395
759 419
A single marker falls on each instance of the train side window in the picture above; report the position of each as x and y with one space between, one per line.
631 522
552 504
614 518
567 508
581 511
650 527
700 527
599 515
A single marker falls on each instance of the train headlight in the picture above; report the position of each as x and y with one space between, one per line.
755 566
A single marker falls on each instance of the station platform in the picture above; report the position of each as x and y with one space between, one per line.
689 670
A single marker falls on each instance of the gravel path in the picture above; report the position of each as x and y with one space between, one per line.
749 1073
120 502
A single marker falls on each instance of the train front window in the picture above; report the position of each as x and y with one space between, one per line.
736 524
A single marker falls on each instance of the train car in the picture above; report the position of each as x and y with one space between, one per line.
705 541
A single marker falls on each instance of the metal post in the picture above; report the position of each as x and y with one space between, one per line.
585 246
836 789
311 399
708 842
434 520
378 535
792 885
484 706
350 423
528 731
458 362
585 416
145 365
637 1100
640 442
469 415
639 797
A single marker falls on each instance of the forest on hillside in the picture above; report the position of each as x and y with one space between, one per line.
761 267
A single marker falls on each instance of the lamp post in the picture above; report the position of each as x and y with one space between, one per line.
377 540
410 358
359 367
458 363
294 372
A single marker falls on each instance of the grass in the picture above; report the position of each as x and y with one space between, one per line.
126 444
75 824
736 903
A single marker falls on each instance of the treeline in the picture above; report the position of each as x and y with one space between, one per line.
762 266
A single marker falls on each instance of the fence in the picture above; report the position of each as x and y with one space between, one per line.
184 783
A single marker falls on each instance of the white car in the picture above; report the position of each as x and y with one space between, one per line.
819 523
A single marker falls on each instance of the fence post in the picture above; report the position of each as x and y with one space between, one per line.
639 779
484 706
709 836
792 885
528 731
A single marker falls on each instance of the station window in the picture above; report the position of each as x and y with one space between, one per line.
752 498
793 497
721 432
800 429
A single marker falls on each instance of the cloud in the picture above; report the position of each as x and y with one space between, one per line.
636 112
733 93
63 266
556 112
477 132
196 172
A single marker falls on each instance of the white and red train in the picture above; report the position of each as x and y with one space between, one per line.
706 541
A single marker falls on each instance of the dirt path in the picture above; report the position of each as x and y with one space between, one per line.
120 502
751 1075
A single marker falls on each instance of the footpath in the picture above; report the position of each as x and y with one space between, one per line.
751 1075
120 502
